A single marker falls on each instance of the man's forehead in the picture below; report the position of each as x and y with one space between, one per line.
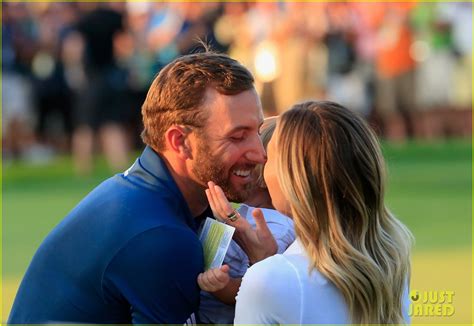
240 111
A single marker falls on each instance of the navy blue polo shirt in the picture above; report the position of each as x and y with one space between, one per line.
127 253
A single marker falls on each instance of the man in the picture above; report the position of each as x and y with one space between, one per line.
129 253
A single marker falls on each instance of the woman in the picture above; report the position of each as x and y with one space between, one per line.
350 262
218 307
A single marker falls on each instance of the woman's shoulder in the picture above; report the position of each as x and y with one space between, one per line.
274 271
291 291
270 293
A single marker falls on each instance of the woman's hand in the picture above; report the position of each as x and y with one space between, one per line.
257 243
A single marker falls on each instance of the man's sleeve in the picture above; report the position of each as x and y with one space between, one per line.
156 273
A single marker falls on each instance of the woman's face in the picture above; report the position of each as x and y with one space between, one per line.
279 200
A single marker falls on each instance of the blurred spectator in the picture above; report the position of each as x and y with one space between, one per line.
52 94
198 23
233 31
365 18
265 21
395 68
459 16
432 50
163 28
346 83
103 106
84 68
301 54
135 55
18 47
443 73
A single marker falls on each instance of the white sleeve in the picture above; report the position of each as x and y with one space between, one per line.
270 294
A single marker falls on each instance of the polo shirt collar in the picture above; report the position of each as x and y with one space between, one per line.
151 171
157 173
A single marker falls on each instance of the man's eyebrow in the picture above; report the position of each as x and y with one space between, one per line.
237 128
240 128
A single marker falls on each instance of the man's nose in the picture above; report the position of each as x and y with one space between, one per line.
257 154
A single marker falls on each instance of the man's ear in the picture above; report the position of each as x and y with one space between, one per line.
178 142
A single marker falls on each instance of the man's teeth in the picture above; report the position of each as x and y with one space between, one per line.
242 173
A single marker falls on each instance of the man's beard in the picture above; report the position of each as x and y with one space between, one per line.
208 167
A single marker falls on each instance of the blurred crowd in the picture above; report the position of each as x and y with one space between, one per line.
76 73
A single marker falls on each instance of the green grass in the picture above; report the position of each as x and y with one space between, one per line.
429 189
35 199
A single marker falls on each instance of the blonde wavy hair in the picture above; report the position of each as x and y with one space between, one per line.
331 169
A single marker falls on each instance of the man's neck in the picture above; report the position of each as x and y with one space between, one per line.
192 192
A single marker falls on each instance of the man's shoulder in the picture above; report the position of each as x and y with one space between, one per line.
126 185
160 249
172 237
116 214
118 192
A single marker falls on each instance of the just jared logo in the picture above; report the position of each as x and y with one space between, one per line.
431 303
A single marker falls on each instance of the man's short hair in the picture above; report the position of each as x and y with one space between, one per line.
176 94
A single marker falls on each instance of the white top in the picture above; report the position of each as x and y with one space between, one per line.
211 310
280 290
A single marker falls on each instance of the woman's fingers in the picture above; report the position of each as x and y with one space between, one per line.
222 208
219 203
222 201
261 224
264 234
210 198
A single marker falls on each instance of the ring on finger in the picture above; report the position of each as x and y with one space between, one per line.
233 216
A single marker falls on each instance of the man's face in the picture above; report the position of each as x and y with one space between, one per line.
229 147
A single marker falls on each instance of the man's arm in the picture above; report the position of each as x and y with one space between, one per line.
155 272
